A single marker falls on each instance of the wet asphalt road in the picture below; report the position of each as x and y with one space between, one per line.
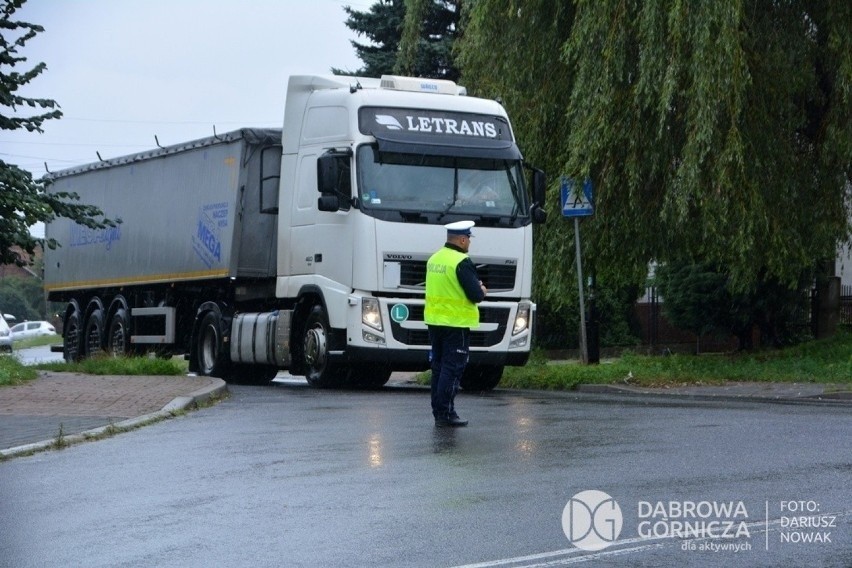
290 476
40 354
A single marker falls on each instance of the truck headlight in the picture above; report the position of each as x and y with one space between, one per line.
522 319
370 314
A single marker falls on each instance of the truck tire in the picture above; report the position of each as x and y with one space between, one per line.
481 378
72 338
370 377
319 372
118 336
94 333
211 355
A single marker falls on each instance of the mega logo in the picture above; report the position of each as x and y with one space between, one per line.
209 231
210 240
84 236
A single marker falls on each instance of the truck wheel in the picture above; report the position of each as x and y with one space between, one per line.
118 337
71 338
94 334
367 377
481 378
318 371
212 359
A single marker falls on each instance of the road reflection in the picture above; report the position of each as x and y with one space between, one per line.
375 456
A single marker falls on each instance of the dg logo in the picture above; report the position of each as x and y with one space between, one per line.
592 520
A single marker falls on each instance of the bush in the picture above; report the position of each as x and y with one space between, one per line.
23 298
617 322
698 297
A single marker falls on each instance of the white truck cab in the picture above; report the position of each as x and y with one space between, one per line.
395 159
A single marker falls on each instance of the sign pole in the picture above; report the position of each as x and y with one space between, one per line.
584 348
577 201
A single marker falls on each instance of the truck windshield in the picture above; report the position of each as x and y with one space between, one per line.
435 189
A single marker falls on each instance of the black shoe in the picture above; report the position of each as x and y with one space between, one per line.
451 422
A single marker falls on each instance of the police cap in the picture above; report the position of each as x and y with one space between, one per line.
459 228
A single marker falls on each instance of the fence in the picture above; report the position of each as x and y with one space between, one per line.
846 304
659 333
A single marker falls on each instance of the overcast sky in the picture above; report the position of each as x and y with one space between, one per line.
124 71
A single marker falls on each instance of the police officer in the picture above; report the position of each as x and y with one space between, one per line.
452 291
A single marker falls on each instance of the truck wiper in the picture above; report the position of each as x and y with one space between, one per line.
491 220
515 193
452 202
411 215
446 210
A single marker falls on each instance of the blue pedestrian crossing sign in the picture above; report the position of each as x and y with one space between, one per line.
576 198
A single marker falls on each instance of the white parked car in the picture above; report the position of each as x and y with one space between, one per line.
27 329
5 336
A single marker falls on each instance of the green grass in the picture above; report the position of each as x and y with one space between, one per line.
825 361
38 341
13 373
119 366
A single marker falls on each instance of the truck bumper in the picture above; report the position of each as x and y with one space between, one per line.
418 359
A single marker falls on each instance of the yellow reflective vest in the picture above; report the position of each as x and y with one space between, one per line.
446 302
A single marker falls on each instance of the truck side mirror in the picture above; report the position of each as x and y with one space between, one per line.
334 180
328 173
328 203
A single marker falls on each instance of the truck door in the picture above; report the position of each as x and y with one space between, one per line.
303 244
334 226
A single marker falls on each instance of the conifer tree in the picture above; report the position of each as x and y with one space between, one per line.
411 37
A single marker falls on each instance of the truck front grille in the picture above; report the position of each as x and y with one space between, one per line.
420 337
496 277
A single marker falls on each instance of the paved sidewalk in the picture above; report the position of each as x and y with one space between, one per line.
32 414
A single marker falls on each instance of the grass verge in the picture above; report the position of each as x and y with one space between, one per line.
107 365
825 361
13 373
38 341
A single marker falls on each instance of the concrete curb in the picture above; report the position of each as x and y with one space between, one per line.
842 398
178 404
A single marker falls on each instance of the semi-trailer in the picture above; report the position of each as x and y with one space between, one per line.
304 248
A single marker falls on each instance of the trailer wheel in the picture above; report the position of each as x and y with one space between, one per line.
481 378
94 335
318 370
71 338
118 336
210 351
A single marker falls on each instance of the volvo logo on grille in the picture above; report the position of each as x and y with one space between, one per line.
389 256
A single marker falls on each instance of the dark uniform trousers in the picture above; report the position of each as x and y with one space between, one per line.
450 351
